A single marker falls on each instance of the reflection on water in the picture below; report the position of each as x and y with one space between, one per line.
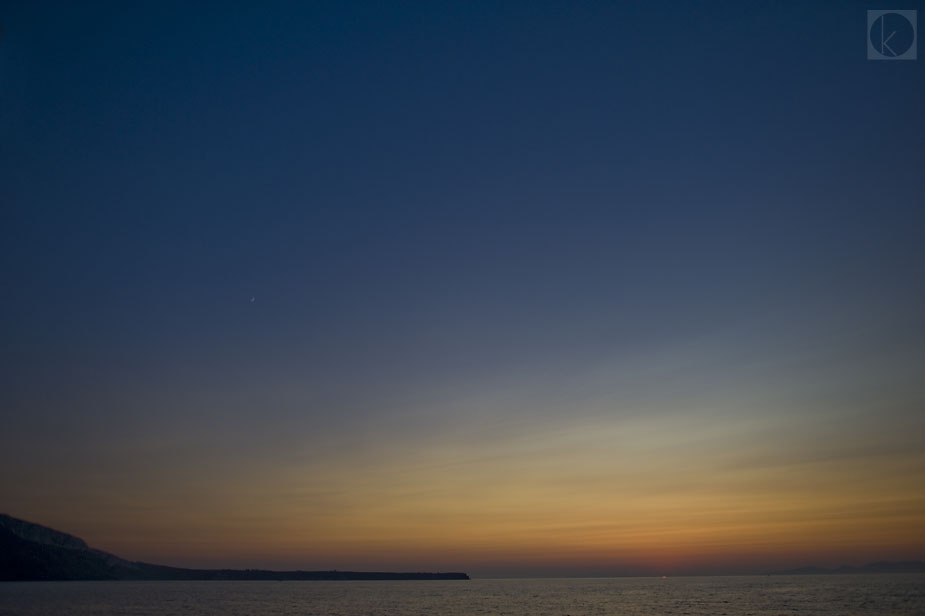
842 595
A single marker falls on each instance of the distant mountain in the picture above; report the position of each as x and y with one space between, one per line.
33 552
907 566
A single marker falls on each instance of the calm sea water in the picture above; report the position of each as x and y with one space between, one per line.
844 595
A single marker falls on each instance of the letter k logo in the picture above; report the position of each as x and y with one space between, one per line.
891 35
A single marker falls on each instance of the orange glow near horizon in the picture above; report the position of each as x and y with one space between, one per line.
598 497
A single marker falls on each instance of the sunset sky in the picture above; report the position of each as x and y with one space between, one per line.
510 288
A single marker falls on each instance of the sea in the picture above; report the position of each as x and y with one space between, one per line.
804 595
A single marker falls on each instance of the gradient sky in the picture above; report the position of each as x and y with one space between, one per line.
510 288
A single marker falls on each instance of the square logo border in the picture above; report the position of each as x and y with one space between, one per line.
911 16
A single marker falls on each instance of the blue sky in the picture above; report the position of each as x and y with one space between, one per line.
460 224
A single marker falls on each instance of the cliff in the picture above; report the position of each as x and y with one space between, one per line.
33 552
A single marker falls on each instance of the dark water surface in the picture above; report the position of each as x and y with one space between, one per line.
843 595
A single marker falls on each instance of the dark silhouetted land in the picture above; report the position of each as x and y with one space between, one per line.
33 552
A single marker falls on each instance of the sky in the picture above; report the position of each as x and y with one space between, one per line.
512 288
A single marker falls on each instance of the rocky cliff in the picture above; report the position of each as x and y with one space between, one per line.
33 552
